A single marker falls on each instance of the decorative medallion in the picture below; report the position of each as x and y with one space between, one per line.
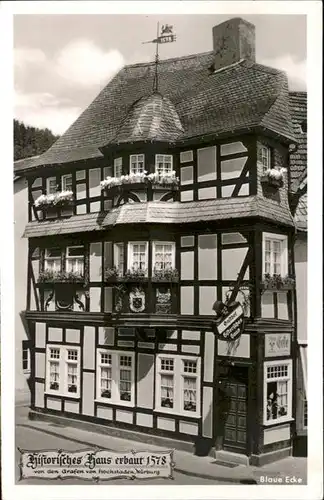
163 301
137 300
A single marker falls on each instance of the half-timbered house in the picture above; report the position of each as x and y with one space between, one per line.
298 204
153 221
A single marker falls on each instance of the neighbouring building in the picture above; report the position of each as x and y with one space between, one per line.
298 193
22 340
159 207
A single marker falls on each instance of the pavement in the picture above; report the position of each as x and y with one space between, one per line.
286 471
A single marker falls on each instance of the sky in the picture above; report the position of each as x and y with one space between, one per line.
61 62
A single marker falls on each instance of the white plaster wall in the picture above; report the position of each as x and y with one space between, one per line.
22 392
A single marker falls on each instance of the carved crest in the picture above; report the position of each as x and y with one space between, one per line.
137 300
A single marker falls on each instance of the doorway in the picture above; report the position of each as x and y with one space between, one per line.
232 409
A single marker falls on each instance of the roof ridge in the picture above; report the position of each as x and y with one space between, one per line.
170 59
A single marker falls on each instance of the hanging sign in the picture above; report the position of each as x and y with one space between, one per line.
230 322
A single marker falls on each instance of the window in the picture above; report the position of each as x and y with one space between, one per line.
26 356
118 167
51 185
137 256
115 377
75 259
136 164
305 412
275 256
178 385
67 182
264 157
277 391
163 255
119 257
52 261
63 370
163 164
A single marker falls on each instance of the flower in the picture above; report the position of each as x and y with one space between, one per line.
59 198
141 177
275 173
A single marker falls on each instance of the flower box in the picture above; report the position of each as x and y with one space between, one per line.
140 181
60 277
136 275
277 282
165 275
55 200
274 177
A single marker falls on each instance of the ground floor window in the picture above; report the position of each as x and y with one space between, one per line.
26 356
115 376
178 384
277 391
63 370
305 413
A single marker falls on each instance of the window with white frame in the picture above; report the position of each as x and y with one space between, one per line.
26 356
178 384
119 257
163 255
163 164
63 370
75 259
118 167
264 157
136 164
277 391
275 254
53 259
67 182
115 377
51 186
138 256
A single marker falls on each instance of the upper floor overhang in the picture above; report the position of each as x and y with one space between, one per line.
159 212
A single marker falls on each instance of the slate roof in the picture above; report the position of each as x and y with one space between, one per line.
238 98
23 164
298 159
160 212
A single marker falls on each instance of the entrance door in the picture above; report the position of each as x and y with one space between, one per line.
235 419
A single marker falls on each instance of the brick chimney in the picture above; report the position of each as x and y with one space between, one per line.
233 40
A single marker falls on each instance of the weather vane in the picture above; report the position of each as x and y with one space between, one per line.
165 36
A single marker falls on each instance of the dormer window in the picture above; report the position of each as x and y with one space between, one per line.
51 185
136 164
118 167
163 164
264 157
67 182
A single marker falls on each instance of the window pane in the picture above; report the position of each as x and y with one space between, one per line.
51 185
75 251
167 364
67 182
53 252
54 375
167 390
189 394
105 382
118 167
72 370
